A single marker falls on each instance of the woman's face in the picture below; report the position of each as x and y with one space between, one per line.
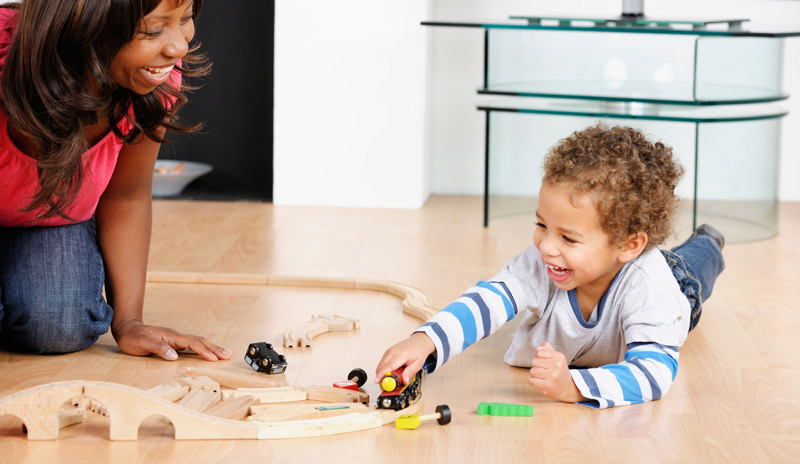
164 34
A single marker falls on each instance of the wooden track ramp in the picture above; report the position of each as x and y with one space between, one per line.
127 407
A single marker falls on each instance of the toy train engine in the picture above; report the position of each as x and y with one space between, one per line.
395 394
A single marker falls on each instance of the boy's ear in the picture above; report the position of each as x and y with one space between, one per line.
632 246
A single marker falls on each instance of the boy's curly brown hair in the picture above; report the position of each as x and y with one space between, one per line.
630 180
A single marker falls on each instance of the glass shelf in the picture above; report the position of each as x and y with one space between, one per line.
634 21
673 70
747 29
636 110
730 157
705 81
636 91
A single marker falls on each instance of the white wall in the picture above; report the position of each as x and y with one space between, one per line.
457 53
372 109
350 103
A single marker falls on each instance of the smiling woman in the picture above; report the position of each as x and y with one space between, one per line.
145 62
88 90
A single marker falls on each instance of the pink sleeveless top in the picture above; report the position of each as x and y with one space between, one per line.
19 179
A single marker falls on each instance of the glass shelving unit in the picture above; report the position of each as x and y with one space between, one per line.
717 81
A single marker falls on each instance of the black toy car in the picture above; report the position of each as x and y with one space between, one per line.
262 358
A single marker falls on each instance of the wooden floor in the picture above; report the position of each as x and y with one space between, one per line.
735 398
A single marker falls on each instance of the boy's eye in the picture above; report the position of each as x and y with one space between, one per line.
568 240
539 224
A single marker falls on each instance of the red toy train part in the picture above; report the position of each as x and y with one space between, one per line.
397 395
356 379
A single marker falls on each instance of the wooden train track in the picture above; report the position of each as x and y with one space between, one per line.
43 412
40 409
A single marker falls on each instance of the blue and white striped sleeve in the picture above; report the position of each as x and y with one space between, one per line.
645 375
479 312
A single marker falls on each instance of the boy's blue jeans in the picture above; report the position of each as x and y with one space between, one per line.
51 289
696 264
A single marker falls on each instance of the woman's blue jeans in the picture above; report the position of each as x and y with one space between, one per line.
696 264
51 289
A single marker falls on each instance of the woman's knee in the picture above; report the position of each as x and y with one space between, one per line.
54 326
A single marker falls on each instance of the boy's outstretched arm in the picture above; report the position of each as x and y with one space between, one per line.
411 353
550 375
479 312
646 374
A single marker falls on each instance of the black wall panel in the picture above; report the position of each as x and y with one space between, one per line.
235 103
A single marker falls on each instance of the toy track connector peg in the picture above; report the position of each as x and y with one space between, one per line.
262 358
504 409
356 379
412 421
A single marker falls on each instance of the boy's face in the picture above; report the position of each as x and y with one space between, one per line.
145 62
572 244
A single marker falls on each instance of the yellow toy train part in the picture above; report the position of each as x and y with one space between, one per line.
412 421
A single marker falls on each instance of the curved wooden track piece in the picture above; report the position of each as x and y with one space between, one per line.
416 303
127 407
302 334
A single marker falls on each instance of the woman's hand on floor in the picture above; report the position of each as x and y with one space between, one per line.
138 339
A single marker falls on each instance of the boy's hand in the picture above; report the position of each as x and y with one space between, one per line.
411 353
137 339
550 375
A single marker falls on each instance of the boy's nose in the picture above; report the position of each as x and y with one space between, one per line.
547 247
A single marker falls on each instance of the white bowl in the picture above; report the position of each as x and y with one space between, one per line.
170 177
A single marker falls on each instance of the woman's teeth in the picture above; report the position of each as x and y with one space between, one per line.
159 71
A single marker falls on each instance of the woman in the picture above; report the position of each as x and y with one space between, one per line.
88 89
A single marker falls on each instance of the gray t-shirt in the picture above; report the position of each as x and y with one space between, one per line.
626 353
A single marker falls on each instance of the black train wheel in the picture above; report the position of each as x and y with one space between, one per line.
358 376
444 414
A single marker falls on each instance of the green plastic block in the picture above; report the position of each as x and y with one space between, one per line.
504 409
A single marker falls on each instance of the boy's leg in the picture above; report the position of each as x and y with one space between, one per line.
52 282
696 264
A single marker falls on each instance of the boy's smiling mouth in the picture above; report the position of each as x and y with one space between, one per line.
558 274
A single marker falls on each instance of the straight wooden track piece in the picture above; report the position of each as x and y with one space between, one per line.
200 400
303 412
234 408
205 278
170 392
335 395
229 379
272 395
201 382
268 408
